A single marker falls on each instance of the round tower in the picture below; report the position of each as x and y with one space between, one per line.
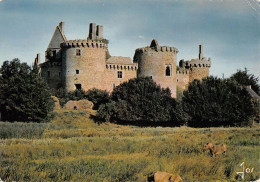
159 63
83 64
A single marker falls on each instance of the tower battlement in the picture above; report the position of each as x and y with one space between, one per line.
84 43
155 47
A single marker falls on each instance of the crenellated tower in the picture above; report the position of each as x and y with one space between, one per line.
159 63
190 70
84 61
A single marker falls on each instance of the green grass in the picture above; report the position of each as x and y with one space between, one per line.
74 148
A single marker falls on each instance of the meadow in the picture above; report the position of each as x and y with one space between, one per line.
72 147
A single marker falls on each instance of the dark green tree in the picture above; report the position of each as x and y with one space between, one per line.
217 102
24 94
244 78
141 102
98 97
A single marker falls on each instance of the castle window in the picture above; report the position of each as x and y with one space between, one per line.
78 86
119 74
199 65
106 66
177 80
59 74
168 71
203 65
77 71
78 52
48 74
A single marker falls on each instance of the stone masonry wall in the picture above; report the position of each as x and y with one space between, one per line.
52 72
87 69
183 77
153 62
111 74
199 73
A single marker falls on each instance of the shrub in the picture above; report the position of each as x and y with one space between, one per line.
140 101
217 102
98 97
94 95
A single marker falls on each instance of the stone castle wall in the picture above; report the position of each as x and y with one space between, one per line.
183 78
198 73
112 75
51 72
83 63
159 63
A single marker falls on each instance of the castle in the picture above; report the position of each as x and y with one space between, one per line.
86 64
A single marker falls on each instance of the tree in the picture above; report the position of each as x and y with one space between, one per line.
244 78
98 97
217 102
24 94
141 102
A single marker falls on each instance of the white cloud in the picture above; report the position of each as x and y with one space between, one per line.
1 0
141 37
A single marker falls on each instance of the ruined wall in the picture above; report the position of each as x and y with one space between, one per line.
51 72
159 63
83 63
51 69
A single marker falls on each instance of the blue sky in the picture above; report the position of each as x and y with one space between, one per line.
228 29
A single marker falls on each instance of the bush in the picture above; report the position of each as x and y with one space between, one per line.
140 101
217 102
98 97
94 95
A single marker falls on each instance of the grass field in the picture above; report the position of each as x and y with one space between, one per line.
72 147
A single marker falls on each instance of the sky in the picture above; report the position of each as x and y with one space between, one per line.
229 30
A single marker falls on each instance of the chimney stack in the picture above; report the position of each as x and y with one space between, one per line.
200 52
92 31
99 32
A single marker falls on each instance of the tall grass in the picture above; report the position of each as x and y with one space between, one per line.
74 148
21 130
